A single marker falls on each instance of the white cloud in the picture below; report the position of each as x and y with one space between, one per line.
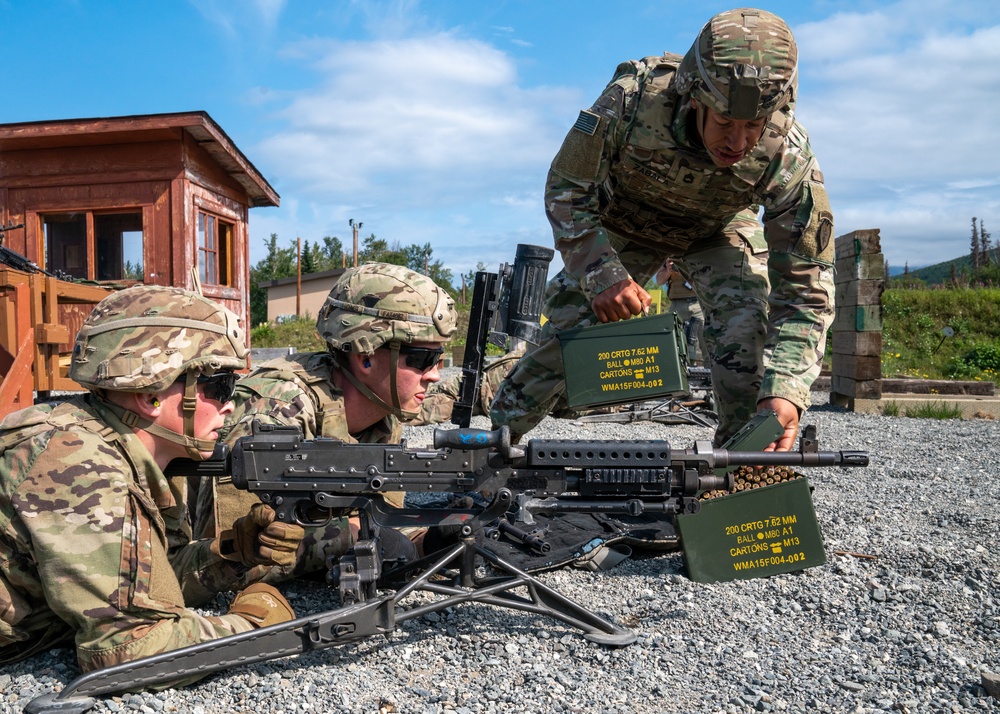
418 129
901 111
393 115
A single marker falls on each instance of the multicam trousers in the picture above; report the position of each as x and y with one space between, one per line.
730 279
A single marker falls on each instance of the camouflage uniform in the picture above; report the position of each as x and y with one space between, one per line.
372 306
292 391
92 539
441 397
633 185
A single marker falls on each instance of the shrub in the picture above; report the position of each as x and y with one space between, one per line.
983 358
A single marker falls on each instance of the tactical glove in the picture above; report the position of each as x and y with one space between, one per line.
261 605
257 539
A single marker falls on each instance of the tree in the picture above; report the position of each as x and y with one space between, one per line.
308 259
984 244
974 253
418 259
378 250
278 263
332 254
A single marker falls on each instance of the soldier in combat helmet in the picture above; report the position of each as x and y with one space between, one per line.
677 158
385 327
93 546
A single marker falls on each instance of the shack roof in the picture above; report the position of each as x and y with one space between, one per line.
143 128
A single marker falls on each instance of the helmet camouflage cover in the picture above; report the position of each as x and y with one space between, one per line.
743 65
143 338
378 303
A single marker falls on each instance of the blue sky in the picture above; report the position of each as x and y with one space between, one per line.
436 121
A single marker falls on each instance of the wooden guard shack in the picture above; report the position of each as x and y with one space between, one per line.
120 201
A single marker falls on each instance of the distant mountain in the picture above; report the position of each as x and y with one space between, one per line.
941 272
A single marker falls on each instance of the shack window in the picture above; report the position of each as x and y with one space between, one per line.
94 246
215 250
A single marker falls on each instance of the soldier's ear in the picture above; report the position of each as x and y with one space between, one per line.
152 403
358 363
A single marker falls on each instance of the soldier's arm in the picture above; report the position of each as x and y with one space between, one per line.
798 226
576 180
102 559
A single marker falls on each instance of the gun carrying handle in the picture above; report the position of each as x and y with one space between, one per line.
466 439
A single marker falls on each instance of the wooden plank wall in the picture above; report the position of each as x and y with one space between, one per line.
857 326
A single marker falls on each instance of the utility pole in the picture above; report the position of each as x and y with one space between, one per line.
356 227
298 277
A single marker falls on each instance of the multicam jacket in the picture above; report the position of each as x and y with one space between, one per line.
292 391
633 169
92 544
298 390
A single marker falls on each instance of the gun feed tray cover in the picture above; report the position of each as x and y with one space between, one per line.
624 362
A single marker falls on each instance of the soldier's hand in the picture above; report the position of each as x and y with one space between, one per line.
261 605
258 539
788 416
621 301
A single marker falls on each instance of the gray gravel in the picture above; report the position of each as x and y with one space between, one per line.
911 630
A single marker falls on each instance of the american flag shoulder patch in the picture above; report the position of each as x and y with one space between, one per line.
587 122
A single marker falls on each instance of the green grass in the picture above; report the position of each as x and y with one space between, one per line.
914 343
934 410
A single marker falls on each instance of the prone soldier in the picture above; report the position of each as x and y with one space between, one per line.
93 547
385 327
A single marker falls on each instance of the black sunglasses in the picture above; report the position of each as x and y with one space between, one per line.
219 386
422 358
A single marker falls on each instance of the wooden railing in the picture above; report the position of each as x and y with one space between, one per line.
39 318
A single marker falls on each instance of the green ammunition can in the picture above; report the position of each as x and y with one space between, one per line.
752 534
624 362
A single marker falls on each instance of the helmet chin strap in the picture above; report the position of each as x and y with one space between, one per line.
194 446
396 409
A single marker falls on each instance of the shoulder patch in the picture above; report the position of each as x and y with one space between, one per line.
587 122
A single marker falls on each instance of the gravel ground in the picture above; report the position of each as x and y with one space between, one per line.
911 629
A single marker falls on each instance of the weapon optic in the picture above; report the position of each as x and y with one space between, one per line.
505 304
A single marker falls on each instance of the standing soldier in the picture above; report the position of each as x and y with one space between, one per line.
676 159
385 327
92 542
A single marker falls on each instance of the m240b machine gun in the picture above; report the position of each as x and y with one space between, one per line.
308 480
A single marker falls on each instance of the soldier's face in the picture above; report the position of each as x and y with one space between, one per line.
411 382
727 140
209 415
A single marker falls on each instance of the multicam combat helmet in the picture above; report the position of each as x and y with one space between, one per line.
381 305
377 304
144 338
743 65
